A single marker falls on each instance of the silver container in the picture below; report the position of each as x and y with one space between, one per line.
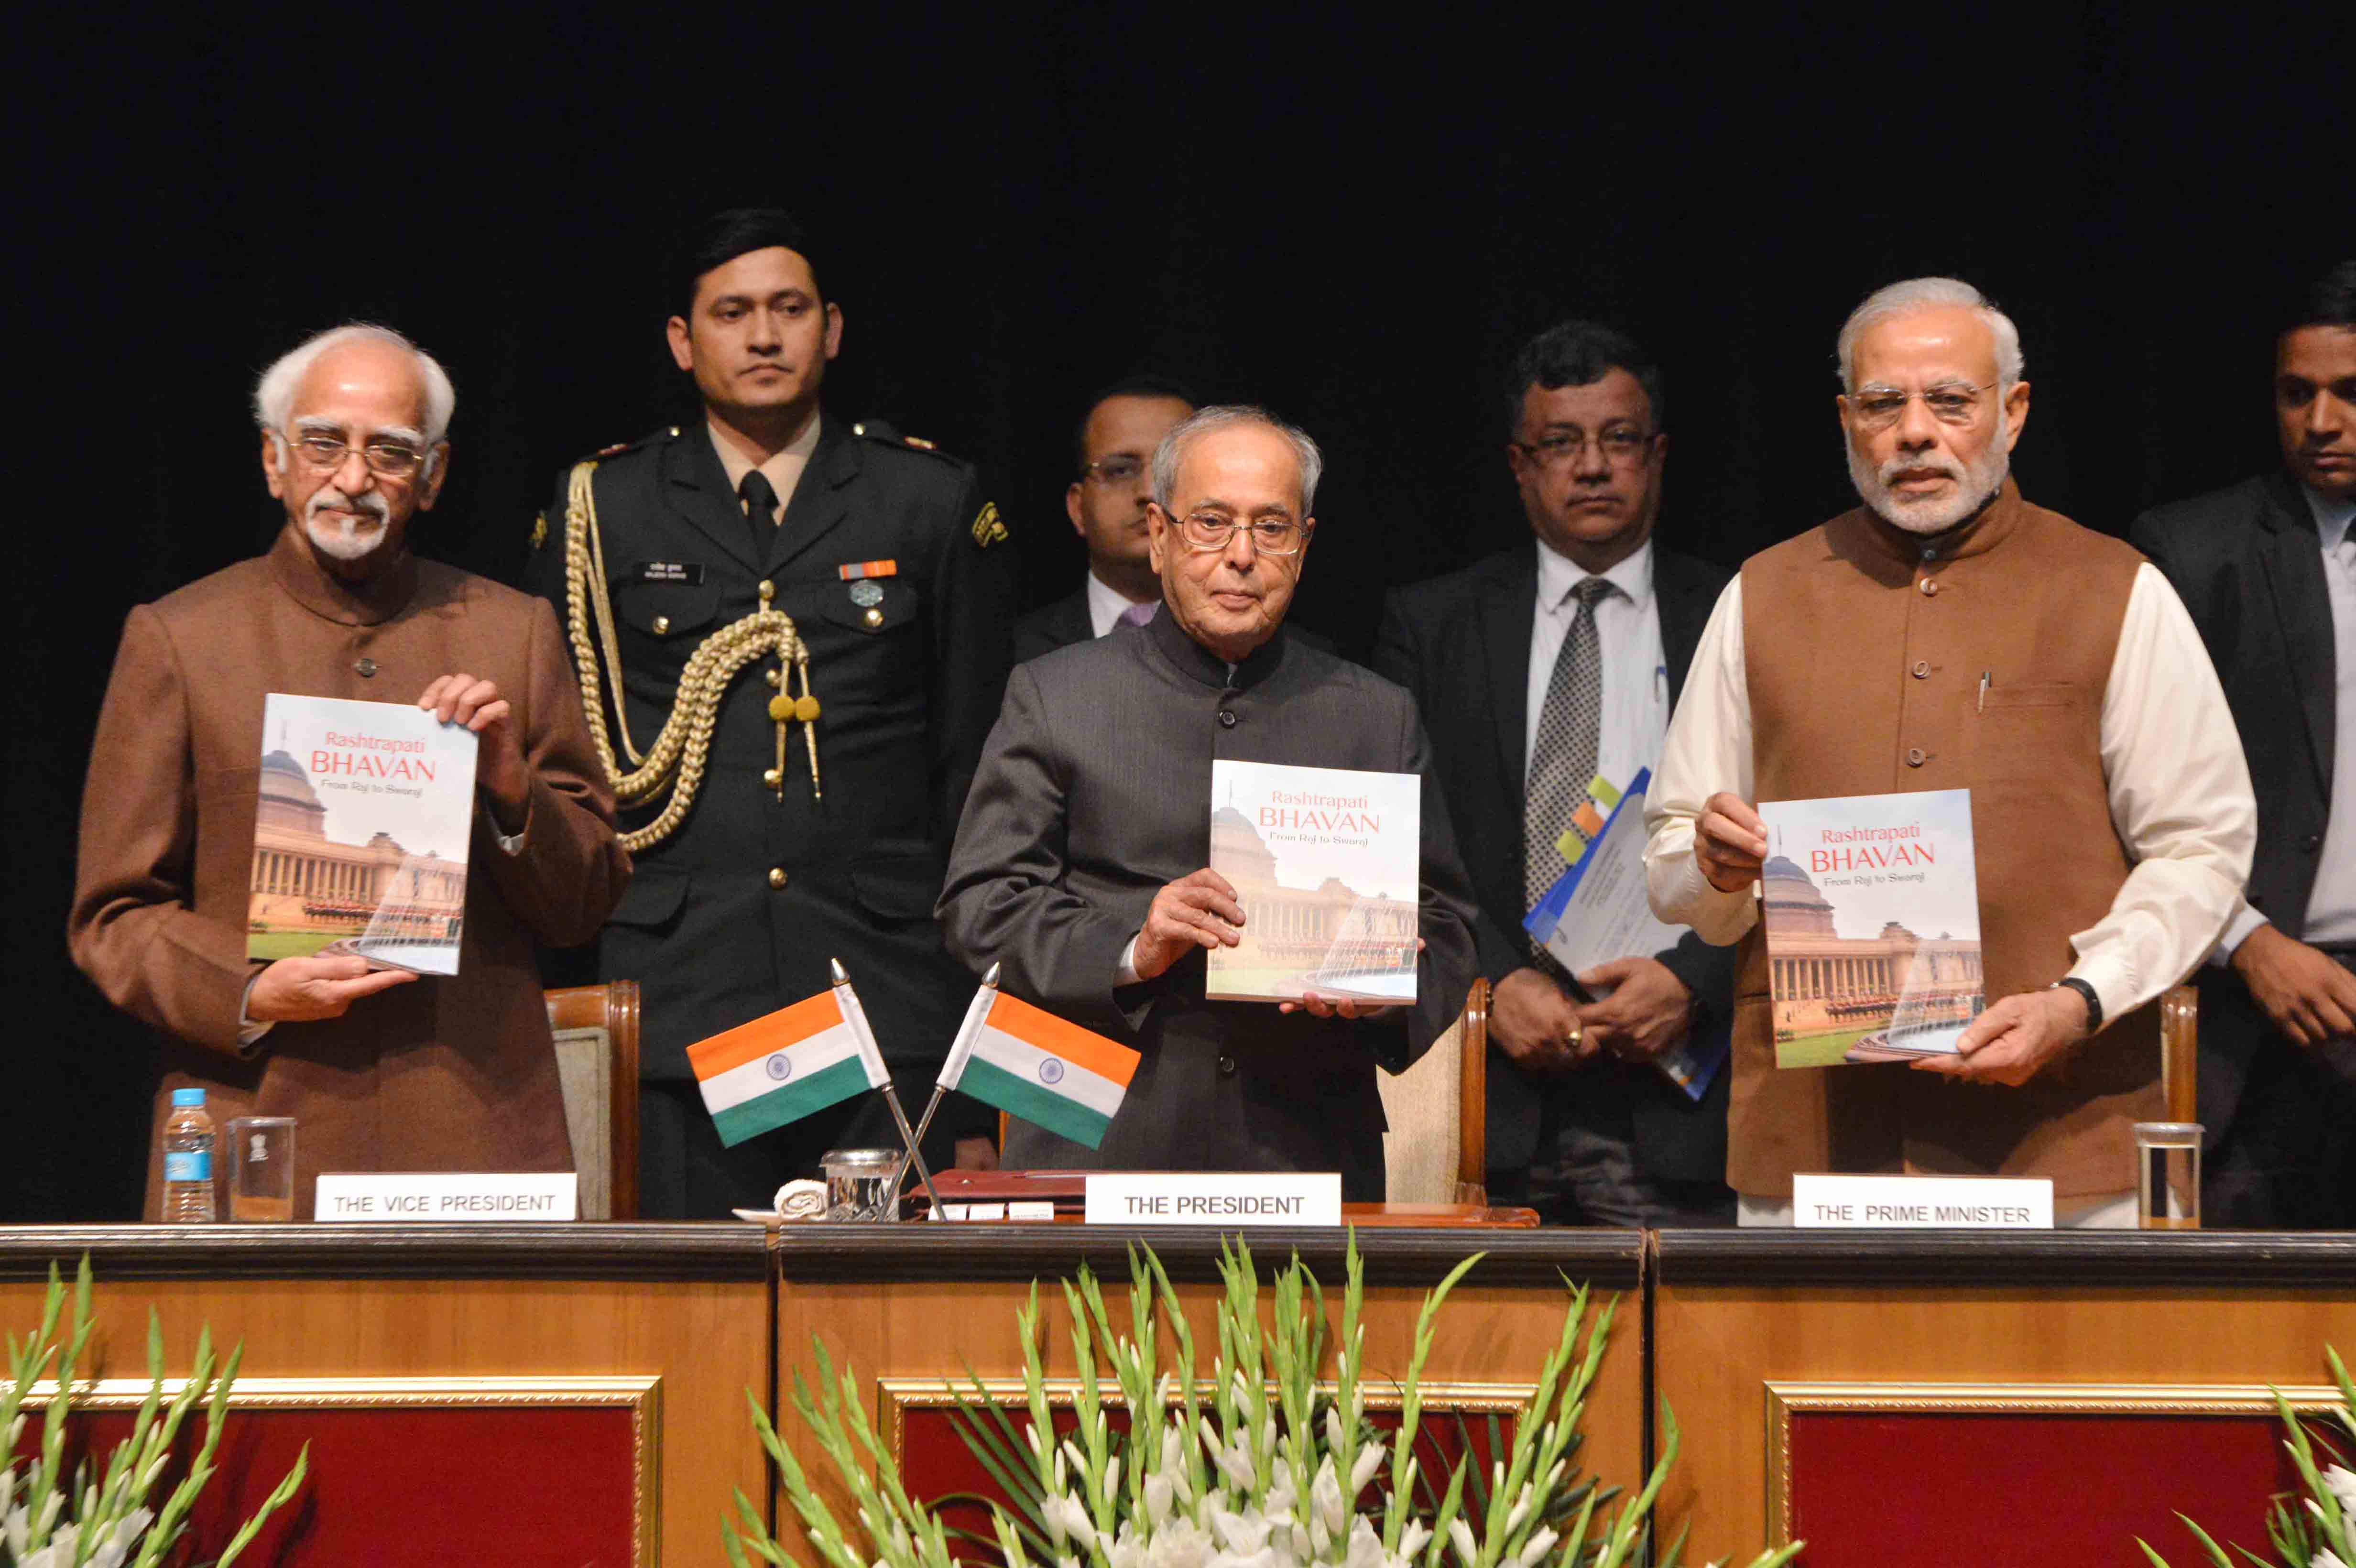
861 1182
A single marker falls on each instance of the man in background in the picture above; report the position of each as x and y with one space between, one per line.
1535 670
1083 863
826 798
384 1070
2268 570
1113 448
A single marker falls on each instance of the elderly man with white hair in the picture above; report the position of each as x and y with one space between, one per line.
384 1070
1947 635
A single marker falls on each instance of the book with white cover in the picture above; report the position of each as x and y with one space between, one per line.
1326 863
360 832
1871 904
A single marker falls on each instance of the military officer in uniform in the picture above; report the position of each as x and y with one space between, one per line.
792 633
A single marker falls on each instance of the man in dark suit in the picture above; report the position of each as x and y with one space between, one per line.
822 808
1535 670
1081 865
1113 448
2268 568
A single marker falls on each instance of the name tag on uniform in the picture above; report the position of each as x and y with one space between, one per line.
687 571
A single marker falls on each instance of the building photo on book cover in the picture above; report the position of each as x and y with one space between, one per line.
359 834
1873 926
1327 865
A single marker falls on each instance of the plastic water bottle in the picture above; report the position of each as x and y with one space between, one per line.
188 1161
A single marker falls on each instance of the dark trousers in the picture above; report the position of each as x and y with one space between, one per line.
1587 1170
2288 1161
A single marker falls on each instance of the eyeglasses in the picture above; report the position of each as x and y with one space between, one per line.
1121 468
1950 403
1270 536
1623 444
391 459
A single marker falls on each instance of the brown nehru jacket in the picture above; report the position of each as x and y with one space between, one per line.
1865 651
454 1073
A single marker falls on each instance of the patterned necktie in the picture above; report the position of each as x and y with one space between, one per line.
760 501
1563 759
1138 615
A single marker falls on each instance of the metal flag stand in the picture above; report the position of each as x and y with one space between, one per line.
857 1016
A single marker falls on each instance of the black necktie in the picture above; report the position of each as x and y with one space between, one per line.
760 510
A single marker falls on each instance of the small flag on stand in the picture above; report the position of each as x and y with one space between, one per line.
1032 1064
783 1066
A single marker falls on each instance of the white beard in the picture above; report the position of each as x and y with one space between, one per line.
347 538
1974 483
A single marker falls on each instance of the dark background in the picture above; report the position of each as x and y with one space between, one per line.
1354 221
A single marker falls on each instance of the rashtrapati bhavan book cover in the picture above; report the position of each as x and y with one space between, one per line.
1325 863
1872 912
360 835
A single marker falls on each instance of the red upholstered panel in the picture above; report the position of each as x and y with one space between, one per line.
391 1487
1891 1490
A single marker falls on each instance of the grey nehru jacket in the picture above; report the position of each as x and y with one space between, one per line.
1094 792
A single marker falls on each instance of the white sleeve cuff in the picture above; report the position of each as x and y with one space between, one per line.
1126 973
249 1033
2237 931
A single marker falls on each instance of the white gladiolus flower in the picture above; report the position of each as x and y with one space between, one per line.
1180 1544
1236 1464
1332 1427
1370 1459
1157 1499
2342 1483
1414 1538
2326 1558
1112 1477
1520 1511
1365 1548
1460 1536
1071 1451
1326 1496
1241 1533
1536 1547
1321 1539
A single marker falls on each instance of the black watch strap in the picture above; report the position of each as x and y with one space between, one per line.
2093 1002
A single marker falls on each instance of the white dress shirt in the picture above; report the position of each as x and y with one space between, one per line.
1635 672
2179 797
1105 605
2331 904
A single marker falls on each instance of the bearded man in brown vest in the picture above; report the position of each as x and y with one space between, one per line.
1947 635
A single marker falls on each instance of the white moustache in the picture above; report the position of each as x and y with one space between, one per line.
348 538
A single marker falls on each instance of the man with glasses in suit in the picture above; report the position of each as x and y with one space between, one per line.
1107 501
1082 863
1535 670
2268 568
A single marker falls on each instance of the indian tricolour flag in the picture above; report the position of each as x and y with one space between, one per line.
781 1067
1032 1064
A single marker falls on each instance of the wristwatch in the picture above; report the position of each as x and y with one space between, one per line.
2093 1002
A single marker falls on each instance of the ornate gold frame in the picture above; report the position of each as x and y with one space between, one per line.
894 1397
1785 1400
641 1396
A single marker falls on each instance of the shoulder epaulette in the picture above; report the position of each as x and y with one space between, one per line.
881 433
668 433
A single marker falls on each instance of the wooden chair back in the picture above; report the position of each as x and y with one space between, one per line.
1436 1147
596 1030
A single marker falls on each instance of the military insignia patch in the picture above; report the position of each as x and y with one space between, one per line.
989 528
540 530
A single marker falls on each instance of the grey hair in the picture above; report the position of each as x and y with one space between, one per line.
1186 432
273 394
1918 294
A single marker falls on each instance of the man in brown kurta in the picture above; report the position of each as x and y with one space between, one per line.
1948 634
382 1071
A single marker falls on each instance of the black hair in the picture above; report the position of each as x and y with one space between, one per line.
724 236
2329 301
1578 354
1143 386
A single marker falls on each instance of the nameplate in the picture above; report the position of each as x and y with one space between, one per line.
1215 1198
475 1196
1922 1203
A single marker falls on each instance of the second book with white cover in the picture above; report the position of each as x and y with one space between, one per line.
1327 865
